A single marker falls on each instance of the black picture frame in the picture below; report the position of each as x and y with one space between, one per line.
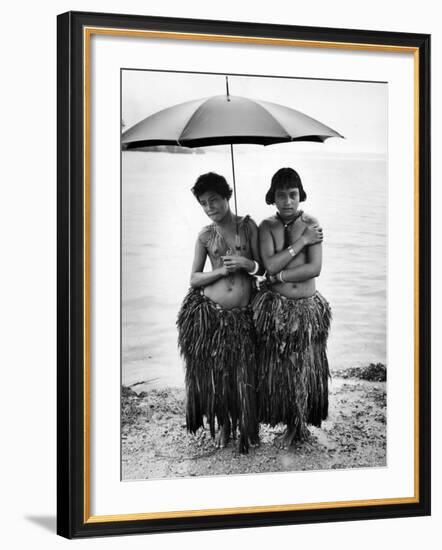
74 520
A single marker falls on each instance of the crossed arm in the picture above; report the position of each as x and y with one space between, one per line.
275 262
197 277
231 263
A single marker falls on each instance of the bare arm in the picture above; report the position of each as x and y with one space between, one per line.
198 278
274 261
254 241
309 270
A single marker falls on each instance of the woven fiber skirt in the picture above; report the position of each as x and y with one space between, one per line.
218 348
293 369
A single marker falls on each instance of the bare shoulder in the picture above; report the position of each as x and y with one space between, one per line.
251 221
205 233
308 219
268 223
251 224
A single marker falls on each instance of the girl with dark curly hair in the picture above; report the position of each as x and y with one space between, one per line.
216 334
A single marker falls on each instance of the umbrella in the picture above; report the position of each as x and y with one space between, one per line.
225 120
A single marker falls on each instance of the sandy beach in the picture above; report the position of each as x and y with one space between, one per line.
155 443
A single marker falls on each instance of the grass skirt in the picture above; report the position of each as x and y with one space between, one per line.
218 348
293 368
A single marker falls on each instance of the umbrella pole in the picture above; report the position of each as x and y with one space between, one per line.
237 239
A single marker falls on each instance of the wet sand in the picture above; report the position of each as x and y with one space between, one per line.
155 443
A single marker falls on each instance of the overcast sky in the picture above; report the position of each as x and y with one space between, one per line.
357 110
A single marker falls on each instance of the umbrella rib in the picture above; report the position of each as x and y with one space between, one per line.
273 117
203 101
143 142
192 116
276 119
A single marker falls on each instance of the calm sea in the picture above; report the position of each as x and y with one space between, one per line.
161 218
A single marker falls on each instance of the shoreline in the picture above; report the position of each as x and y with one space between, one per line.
156 444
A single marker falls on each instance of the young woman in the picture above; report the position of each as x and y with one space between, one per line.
216 334
292 319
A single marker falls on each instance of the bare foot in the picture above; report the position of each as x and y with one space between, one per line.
223 436
286 439
290 436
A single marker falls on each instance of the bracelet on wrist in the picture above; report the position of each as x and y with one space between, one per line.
255 269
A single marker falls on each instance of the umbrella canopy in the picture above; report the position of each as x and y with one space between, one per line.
225 119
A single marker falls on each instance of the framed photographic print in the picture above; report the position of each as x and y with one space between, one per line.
243 274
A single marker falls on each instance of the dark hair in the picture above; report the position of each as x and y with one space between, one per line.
212 182
285 178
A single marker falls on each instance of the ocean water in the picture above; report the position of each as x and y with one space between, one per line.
161 219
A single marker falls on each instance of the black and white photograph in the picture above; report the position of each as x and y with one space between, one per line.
253 274
222 247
